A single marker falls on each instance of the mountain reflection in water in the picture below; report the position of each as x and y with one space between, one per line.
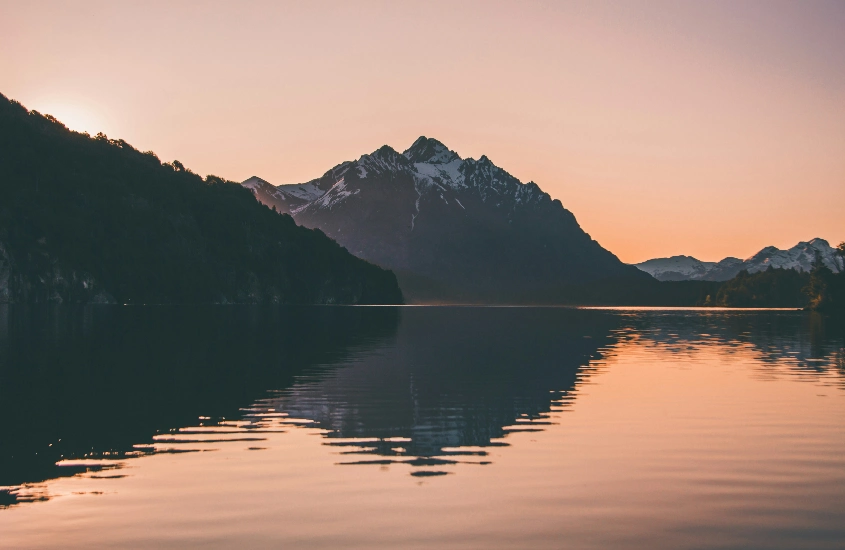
449 382
94 382
92 387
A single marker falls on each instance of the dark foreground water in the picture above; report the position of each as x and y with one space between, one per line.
253 427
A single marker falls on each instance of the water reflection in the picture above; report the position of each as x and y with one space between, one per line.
92 382
798 344
451 385
426 388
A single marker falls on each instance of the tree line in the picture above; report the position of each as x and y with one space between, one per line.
93 219
821 289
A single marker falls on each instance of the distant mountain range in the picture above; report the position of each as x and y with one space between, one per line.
686 268
449 227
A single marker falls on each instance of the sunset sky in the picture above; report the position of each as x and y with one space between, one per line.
701 128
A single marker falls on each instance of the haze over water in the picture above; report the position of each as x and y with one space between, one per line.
420 427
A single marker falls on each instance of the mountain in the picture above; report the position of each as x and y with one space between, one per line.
451 228
92 219
686 268
267 194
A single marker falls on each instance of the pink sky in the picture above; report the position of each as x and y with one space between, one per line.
701 128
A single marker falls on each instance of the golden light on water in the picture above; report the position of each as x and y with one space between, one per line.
687 428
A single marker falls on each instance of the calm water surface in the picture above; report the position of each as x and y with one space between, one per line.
250 427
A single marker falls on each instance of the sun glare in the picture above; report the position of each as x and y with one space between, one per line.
77 117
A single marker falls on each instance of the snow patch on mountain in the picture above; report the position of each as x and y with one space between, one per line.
430 151
416 207
676 268
304 191
800 256
381 161
256 185
254 182
335 195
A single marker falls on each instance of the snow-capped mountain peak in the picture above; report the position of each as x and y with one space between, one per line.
255 182
430 151
461 223
269 194
435 168
383 160
799 257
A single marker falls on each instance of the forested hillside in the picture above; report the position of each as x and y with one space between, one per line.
92 219
820 289
770 288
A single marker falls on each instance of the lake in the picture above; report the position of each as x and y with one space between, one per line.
420 427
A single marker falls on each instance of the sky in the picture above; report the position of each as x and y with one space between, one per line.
710 129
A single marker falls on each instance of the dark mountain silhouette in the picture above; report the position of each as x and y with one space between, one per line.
92 219
451 228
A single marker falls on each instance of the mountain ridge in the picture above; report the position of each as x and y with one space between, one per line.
687 268
458 223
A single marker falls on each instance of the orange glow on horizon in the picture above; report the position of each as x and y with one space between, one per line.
708 129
